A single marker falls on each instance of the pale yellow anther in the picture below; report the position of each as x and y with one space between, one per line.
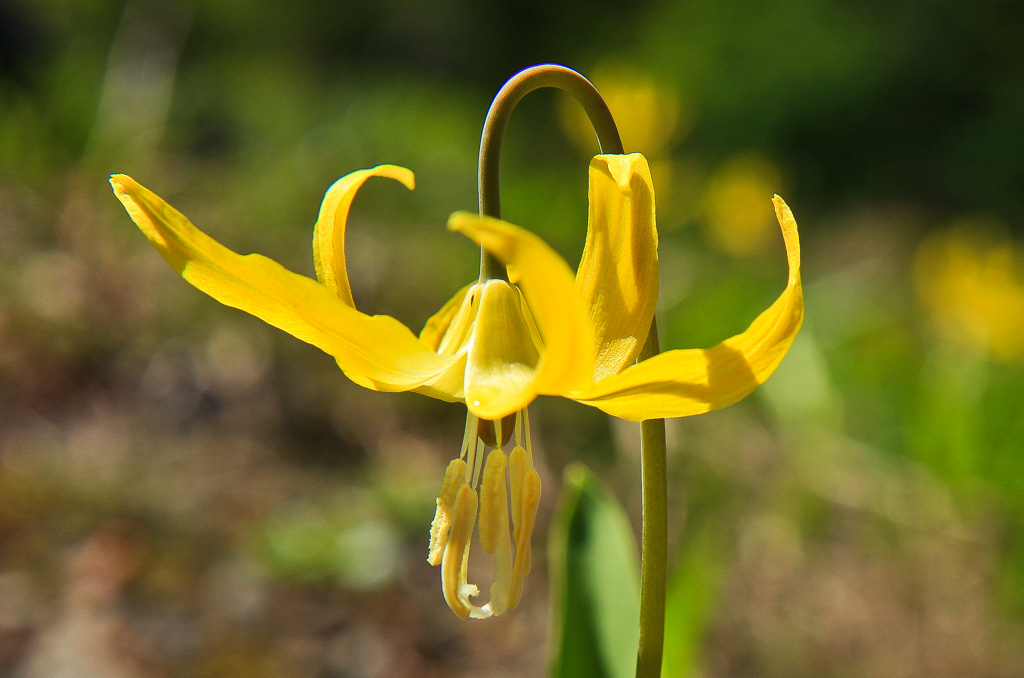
519 463
524 519
493 502
454 562
494 532
454 476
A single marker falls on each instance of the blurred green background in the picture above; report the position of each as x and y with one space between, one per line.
187 492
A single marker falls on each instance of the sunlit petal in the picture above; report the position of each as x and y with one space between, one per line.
566 363
329 232
377 352
685 382
618 274
501 376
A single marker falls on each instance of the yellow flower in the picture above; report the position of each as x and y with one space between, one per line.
650 115
738 219
970 279
496 345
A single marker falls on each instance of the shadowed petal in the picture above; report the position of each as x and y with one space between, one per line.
437 325
329 232
618 274
692 381
377 352
447 332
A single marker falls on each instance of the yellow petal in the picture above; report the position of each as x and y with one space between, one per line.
447 332
618 274
377 352
329 232
437 325
547 284
684 382
501 365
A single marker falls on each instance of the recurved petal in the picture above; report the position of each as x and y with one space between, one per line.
692 381
377 352
566 363
329 232
618 274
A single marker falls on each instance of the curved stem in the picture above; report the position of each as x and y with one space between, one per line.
654 553
511 93
654 538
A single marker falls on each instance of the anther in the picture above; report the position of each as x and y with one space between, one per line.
454 476
494 532
524 519
454 562
519 464
493 502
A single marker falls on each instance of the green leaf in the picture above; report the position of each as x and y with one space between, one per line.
595 582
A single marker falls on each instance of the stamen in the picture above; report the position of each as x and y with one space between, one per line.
494 537
439 528
459 506
469 437
493 502
526 426
471 448
478 462
520 463
527 516
454 562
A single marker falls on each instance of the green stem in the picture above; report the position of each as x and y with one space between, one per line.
511 93
654 538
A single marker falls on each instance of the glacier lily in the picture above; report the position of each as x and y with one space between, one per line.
527 327
497 344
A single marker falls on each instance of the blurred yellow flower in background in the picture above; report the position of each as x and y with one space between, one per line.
970 279
738 219
650 115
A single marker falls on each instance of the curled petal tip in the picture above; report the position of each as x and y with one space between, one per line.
780 204
782 210
789 233
398 173
119 181
457 221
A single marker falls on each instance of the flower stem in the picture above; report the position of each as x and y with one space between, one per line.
654 538
505 101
